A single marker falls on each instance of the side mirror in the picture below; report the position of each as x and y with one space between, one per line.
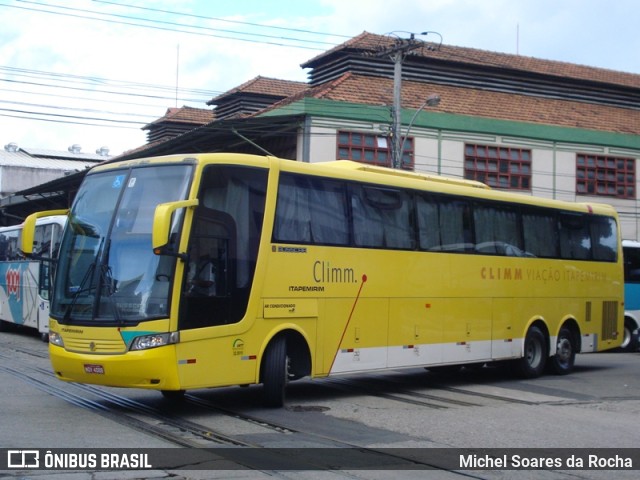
29 229
162 224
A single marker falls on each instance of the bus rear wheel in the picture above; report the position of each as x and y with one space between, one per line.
629 342
274 373
534 358
563 361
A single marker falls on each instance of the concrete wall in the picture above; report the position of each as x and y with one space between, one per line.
13 179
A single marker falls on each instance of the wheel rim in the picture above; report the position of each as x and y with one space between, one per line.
288 375
533 353
564 351
626 338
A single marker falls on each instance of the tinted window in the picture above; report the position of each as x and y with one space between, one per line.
311 210
381 217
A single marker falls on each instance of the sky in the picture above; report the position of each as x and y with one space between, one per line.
94 72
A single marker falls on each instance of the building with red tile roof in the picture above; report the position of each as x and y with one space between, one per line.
536 126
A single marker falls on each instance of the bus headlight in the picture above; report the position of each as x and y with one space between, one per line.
55 339
144 342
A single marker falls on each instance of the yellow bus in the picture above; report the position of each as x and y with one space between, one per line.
209 270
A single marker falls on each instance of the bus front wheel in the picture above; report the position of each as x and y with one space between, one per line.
173 395
274 373
533 361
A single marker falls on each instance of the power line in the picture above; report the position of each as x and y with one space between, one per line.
40 80
66 87
156 25
75 97
237 22
66 122
87 110
56 115
29 73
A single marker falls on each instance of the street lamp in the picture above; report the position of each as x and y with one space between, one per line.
432 100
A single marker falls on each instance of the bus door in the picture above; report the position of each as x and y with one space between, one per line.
208 293
44 288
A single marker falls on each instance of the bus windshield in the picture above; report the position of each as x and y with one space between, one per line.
108 272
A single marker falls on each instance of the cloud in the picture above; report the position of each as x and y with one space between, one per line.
75 62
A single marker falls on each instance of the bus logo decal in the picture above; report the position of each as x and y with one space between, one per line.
238 347
324 272
12 277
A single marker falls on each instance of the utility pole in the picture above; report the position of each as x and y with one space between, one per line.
396 141
397 54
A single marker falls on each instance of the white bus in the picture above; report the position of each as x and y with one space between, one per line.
631 249
25 283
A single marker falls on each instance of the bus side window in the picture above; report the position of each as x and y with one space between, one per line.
575 237
497 230
329 221
311 210
428 218
367 224
4 247
13 252
455 226
604 234
293 212
42 240
539 228
631 265
382 218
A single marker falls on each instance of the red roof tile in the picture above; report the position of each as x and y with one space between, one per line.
481 103
190 115
263 86
374 43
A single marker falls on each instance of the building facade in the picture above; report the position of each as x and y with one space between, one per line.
25 170
534 126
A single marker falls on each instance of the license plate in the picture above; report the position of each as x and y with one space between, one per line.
93 369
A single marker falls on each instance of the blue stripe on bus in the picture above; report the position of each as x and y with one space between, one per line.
632 296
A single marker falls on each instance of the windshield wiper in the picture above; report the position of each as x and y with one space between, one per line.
108 284
81 287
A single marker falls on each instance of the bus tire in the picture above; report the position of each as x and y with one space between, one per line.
274 373
563 361
445 369
535 354
173 395
629 342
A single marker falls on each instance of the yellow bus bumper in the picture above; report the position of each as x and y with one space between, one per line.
155 368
